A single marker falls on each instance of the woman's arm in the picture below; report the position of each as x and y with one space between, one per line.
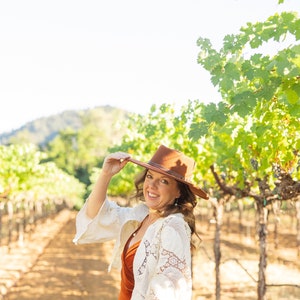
113 163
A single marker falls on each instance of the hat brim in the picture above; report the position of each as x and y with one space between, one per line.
195 190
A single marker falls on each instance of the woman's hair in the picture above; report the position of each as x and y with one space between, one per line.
184 204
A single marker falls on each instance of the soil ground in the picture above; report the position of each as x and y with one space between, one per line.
49 266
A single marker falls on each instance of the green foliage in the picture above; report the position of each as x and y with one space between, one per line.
23 176
244 81
259 114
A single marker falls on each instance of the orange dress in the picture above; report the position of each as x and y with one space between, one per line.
127 279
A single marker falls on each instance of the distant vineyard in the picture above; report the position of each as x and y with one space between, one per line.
31 190
19 220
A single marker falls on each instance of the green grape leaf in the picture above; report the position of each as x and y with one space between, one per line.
197 130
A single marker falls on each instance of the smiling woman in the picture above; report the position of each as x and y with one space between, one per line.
153 239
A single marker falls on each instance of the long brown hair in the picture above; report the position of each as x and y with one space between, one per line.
185 204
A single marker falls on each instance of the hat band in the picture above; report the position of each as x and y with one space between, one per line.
171 172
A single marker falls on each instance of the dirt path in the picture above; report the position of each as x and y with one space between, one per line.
67 271
53 267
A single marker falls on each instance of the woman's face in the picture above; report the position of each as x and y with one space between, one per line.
159 190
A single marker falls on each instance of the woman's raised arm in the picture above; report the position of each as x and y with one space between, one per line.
112 165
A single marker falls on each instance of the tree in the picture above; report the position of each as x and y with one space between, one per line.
78 151
255 129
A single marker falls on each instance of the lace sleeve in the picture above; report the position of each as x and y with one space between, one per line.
172 279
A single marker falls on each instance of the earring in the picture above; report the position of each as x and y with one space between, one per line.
176 202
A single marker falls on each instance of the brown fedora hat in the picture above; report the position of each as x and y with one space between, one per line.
175 164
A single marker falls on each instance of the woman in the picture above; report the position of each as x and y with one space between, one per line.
153 239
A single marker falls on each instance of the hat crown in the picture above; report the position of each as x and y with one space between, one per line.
173 162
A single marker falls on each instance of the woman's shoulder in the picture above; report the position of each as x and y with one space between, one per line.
175 221
174 228
176 218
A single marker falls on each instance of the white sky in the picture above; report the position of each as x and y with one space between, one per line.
69 54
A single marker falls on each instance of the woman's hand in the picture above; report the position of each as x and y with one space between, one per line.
115 162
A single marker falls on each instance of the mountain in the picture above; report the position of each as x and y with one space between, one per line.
43 130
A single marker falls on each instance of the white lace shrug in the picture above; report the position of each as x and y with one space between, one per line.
162 264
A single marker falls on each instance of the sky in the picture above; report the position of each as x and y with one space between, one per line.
68 54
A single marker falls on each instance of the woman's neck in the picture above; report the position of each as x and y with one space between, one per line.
152 216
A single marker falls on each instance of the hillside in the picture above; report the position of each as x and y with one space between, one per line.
43 130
